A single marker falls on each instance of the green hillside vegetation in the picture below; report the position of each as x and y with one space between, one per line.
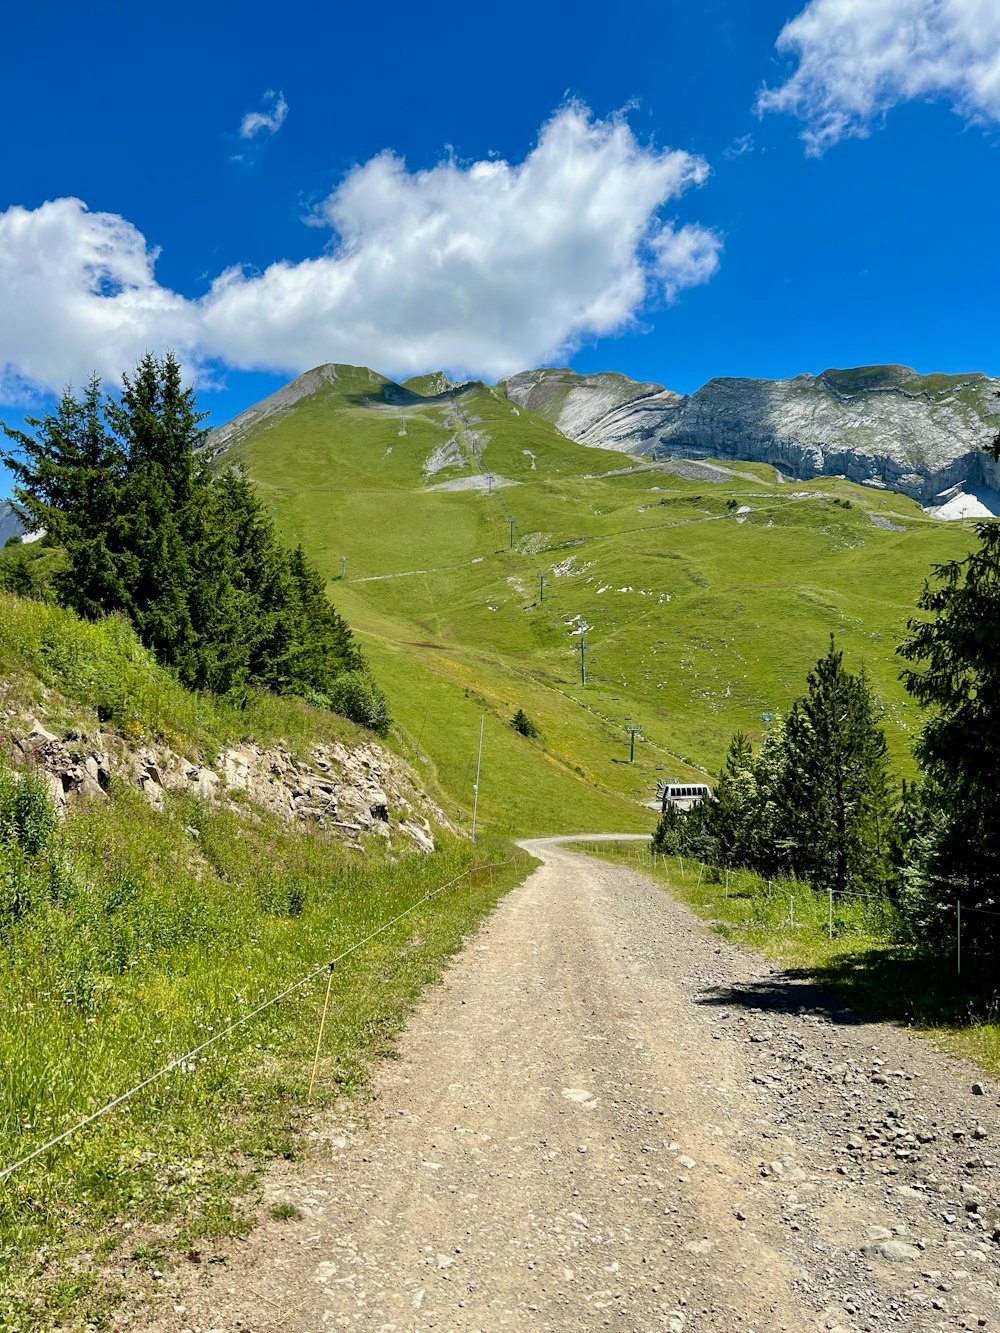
128 936
189 557
707 600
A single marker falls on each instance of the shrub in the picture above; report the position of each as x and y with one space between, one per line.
357 696
523 724
667 836
27 813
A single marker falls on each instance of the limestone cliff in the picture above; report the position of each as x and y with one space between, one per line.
10 524
878 425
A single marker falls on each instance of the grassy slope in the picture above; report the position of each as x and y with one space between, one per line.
146 932
700 623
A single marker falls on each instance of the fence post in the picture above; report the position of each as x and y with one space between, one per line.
958 936
791 909
727 881
681 859
701 870
831 912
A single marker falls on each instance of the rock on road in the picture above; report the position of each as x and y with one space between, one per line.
607 1118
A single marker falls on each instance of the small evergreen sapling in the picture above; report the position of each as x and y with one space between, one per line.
523 724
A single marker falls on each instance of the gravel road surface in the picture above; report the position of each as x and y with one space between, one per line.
608 1118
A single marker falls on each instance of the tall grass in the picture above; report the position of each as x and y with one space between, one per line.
136 936
101 674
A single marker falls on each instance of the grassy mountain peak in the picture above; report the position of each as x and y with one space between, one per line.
480 544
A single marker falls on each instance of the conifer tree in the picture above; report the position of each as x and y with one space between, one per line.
68 478
955 652
191 558
834 794
732 816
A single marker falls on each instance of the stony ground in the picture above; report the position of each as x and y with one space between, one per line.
607 1118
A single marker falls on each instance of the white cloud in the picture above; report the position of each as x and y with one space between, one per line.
859 58
477 268
685 257
267 121
78 293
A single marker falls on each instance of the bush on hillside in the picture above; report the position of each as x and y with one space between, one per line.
27 824
524 726
357 696
22 575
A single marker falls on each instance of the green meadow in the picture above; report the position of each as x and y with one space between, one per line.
130 936
705 601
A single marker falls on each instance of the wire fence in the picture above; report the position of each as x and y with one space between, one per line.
181 1060
794 904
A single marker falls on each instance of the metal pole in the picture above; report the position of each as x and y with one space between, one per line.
511 522
831 911
541 587
475 790
583 662
958 935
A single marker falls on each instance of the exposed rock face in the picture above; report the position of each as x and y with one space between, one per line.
346 791
10 524
878 425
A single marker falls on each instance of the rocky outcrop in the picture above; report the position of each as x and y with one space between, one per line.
10 524
347 791
877 425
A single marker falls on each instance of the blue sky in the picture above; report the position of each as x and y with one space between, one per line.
672 191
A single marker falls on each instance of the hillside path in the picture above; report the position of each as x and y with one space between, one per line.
606 1117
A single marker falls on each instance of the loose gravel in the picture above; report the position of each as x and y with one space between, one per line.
607 1118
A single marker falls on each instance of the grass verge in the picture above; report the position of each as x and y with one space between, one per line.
864 959
146 932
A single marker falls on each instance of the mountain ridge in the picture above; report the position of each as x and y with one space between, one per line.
882 426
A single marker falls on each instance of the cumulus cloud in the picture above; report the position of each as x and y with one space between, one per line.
267 121
479 268
78 294
859 58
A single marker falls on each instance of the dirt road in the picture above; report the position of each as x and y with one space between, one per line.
607 1118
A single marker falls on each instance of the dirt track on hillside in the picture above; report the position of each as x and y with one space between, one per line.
607 1118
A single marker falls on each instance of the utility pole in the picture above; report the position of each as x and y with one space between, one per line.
475 790
343 568
633 731
541 587
511 522
583 660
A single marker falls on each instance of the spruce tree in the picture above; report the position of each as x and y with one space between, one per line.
191 558
954 650
68 478
834 798
732 816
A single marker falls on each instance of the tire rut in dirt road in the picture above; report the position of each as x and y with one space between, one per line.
607 1118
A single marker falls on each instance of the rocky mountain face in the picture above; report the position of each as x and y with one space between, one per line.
883 426
345 791
10 524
